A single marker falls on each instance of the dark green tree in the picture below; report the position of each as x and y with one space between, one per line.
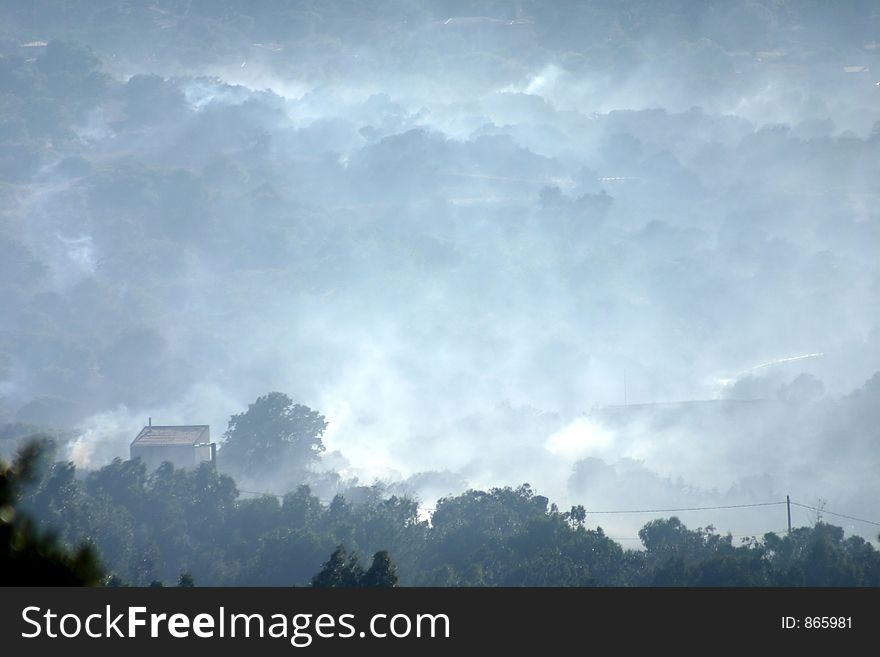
382 573
273 433
340 571
27 556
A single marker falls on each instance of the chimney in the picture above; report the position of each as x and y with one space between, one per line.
149 421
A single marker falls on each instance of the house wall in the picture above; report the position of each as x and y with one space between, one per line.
203 452
180 456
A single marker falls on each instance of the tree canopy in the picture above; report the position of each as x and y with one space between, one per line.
344 571
273 432
29 556
190 526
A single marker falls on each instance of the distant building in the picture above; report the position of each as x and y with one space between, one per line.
182 446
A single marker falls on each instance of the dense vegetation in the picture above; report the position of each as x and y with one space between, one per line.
149 527
29 557
455 226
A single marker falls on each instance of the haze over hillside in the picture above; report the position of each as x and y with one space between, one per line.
492 242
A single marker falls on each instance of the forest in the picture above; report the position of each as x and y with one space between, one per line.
131 527
623 251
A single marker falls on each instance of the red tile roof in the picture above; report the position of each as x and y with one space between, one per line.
170 435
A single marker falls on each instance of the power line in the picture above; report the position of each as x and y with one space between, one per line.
692 508
281 497
324 502
636 538
839 515
253 492
620 538
675 510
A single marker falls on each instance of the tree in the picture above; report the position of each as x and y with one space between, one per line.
577 516
30 558
382 573
344 571
273 433
340 571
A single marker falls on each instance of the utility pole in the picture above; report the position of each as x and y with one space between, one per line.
788 506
